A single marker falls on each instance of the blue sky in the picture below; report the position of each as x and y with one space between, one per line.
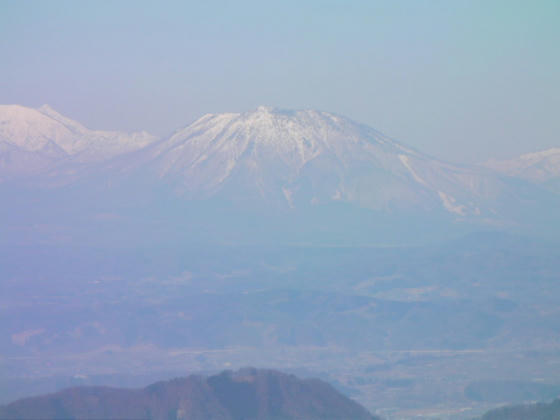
461 80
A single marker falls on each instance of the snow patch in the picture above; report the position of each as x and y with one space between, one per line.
406 164
450 205
289 195
227 171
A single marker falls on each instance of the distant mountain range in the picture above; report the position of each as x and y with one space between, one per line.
34 140
539 411
541 167
247 394
287 161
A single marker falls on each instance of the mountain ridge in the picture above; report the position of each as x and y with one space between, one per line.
29 130
541 167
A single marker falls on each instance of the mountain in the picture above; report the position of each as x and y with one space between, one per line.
247 394
32 140
282 175
305 158
284 158
541 167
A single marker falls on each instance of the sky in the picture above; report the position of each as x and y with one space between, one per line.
461 80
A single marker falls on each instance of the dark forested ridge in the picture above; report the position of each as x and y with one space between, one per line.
248 394
540 411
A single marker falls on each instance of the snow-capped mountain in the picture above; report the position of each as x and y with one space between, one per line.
269 173
299 158
33 139
541 167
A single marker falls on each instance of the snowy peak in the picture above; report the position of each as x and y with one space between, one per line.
28 128
310 157
539 166
268 137
32 130
301 133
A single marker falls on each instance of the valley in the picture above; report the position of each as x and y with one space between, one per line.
399 333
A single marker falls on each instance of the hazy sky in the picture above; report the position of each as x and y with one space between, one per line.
461 80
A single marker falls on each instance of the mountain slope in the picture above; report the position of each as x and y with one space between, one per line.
248 394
